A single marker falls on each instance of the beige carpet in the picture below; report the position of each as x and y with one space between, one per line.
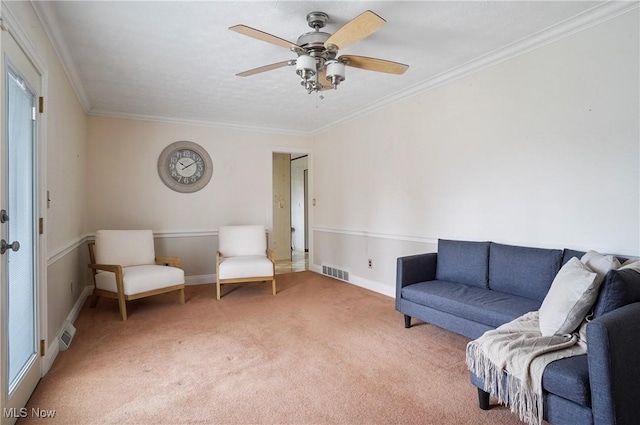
319 352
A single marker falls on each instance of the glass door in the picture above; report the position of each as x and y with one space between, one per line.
21 361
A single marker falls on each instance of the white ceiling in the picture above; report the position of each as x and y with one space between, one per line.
178 60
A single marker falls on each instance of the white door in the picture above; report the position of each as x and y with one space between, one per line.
21 360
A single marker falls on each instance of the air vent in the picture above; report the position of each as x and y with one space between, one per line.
335 273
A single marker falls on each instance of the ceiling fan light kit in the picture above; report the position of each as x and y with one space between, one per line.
318 64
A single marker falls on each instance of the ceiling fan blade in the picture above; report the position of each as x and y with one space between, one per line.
322 79
373 64
263 36
265 68
355 30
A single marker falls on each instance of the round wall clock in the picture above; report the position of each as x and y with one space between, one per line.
185 167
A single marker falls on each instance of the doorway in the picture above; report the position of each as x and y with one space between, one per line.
19 244
290 211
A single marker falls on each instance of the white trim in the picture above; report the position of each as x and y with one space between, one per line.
54 346
185 234
434 241
190 121
46 15
205 279
570 26
363 233
556 32
371 285
11 24
66 249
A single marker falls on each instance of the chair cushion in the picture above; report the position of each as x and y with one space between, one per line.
125 247
137 279
242 240
527 272
245 266
464 262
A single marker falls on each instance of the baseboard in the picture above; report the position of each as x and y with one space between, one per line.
54 347
371 285
205 279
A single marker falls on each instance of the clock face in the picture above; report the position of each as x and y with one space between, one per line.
185 167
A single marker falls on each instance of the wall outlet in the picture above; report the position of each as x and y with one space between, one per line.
370 262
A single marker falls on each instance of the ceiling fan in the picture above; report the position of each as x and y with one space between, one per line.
318 64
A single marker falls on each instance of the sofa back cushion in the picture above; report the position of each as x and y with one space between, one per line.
463 262
527 272
568 254
619 288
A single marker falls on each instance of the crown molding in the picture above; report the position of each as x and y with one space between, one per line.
47 17
591 17
204 123
11 24
587 19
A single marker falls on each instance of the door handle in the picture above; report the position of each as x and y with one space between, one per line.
4 246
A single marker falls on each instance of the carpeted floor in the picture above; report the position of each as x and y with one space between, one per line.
319 352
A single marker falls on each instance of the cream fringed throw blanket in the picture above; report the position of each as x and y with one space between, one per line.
519 349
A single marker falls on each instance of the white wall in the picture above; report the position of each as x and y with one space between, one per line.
541 150
127 193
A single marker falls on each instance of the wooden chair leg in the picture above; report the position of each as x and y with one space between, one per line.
273 286
123 307
181 296
217 290
94 301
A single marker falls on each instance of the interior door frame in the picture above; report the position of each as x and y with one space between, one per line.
293 150
10 27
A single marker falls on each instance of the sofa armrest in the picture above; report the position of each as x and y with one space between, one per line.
614 371
414 269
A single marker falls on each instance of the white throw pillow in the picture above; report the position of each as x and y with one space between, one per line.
572 294
600 263
633 264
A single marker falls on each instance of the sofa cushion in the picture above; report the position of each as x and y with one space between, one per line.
527 272
572 294
463 262
482 305
569 378
568 254
619 288
600 263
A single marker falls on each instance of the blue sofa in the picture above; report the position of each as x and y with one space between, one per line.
471 287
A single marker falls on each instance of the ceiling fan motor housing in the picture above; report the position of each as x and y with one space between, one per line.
317 63
317 20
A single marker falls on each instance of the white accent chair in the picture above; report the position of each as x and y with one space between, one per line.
243 256
124 267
